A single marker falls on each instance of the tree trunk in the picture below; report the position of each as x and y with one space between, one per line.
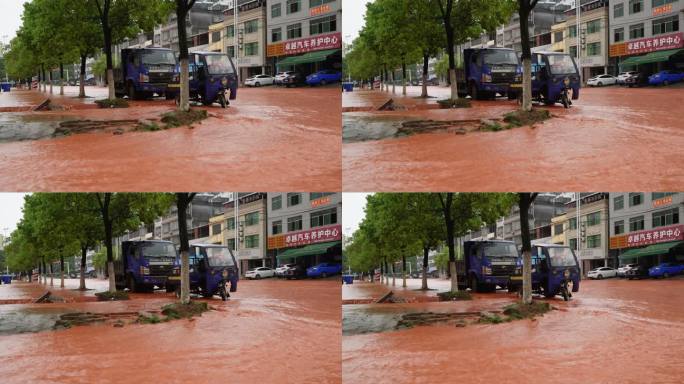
182 202
51 81
452 58
81 86
84 252
394 277
403 76
424 284
104 211
61 271
394 84
185 86
524 202
527 85
181 13
61 79
52 273
107 30
426 68
526 56
403 270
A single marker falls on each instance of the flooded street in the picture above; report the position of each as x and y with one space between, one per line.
264 333
617 123
613 331
289 137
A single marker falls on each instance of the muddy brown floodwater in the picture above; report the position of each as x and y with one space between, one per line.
586 147
613 331
277 138
269 331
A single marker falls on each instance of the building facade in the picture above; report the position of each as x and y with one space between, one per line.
201 209
592 37
304 35
646 35
543 209
646 228
305 228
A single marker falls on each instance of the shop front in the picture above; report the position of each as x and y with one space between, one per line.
308 247
250 258
651 54
650 247
592 258
307 55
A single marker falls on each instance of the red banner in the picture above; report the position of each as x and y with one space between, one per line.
655 43
314 235
314 43
656 235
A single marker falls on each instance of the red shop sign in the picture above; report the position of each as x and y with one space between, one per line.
314 43
656 235
314 235
655 43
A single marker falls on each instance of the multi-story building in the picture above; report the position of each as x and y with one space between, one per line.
304 35
305 228
592 37
247 42
558 32
542 210
201 209
558 224
201 16
250 229
543 17
646 227
646 34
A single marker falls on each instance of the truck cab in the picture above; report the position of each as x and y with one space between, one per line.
142 265
491 263
488 71
146 71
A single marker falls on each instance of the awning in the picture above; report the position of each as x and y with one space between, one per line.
652 57
313 249
655 249
311 57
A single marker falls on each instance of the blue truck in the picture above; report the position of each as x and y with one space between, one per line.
144 264
487 264
488 71
146 71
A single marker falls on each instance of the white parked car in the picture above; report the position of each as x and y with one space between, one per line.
259 80
259 273
601 80
280 271
622 77
278 79
601 272
622 271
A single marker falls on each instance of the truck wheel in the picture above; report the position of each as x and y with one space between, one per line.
169 96
169 288
511 95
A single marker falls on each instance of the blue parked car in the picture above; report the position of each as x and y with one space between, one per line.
324 270
666 77
324 77
666 270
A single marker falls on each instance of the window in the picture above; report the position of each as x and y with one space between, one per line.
276 34
667 217
619 35
618 203
230 243
636 6
636 223
594 218
572 31
558 229
294 198
636 198
636 31
316 3
618 10
619 227
230 50
658 3
327 217
275 10
323 25
252 49
572 243
294 223
230 31
252 241
557 37
276 202
216 229
251 26
294 31
318 195
216 36
594 241
277 227
573 51
573 223
293 6
594 49
668 24
252 218
660 195
593 26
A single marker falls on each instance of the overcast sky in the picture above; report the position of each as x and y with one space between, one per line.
353 12
10 206
10 18
352 211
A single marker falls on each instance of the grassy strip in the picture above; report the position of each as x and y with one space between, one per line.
112 103
112 296
181 118
454 296
517 311
516 119
175 311
454 103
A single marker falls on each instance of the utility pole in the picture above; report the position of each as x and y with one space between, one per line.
578 7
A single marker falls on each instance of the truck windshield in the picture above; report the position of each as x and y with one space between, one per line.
219 257
498 57
561 257
500 250
561 65
158 57
154 250
219 65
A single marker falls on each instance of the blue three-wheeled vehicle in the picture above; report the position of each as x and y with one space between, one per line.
554 75
212 267
212 77
554 269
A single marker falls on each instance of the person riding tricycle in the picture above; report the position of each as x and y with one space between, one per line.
211 268
554 75
554 268
212 75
